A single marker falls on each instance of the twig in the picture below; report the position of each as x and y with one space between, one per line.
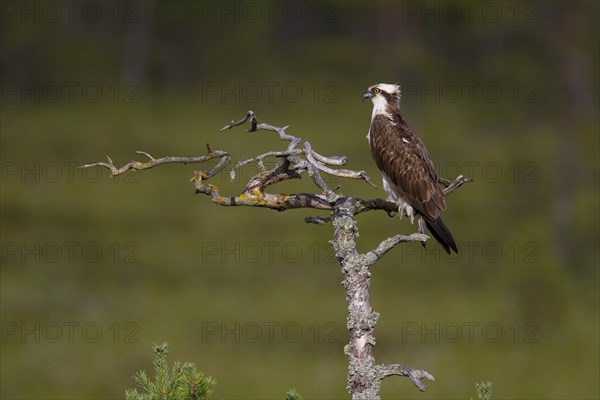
343 173
317 220
458 182
415 375
331 160
393 241
138 165
266 127
249 116
261 157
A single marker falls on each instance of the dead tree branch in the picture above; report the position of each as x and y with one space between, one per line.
415 375
254 126
391 242
364 375
139 165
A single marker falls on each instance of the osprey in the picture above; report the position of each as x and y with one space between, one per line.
409 177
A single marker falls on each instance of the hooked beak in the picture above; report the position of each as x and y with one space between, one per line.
367 95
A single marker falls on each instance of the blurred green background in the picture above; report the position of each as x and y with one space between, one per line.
95 269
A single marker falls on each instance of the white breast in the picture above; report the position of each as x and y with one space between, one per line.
379 107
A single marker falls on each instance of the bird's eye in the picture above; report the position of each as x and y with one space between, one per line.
376 91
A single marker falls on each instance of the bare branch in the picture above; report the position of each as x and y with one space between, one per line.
266 155
278 202
313 172
282 135
331 160
264 179
249 116
266 127
458 182
259 159
317 220
415 375
146 154
443 181
314 162
224 160
139 165
393 241
343 173
375 204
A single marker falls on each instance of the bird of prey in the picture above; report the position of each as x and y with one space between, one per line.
409 177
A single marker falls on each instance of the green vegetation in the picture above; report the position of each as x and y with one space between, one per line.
292 394
183 382
484 390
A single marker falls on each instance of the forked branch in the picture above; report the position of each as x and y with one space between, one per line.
153 162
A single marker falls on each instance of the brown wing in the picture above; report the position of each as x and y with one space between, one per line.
404 160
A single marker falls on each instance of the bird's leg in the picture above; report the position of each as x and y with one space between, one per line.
421 225
410 212
403 208
400 210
